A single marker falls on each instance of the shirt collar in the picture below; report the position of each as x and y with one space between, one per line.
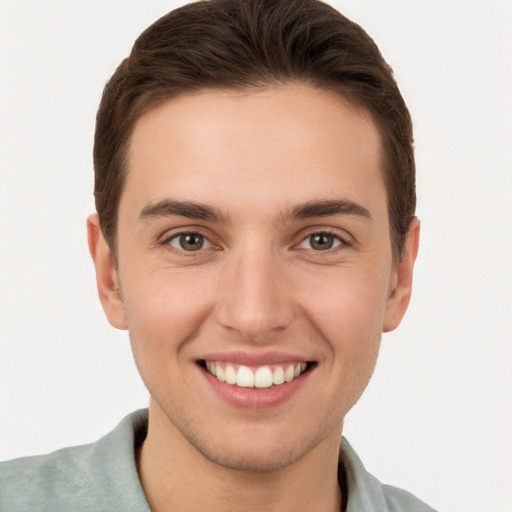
118 486
364 491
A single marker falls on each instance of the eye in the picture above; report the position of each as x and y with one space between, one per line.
189 242
321 242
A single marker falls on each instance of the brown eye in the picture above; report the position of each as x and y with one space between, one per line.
189 242
320 242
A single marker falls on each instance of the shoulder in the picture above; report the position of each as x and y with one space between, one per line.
41 483
366 493
96 477
399 500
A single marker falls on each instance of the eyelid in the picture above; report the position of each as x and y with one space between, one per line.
207 243
345 239
171 233
165 239
342 236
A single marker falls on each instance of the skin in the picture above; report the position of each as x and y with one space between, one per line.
257 285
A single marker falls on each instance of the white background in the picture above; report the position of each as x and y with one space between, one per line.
437 416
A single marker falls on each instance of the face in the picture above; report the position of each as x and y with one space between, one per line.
255 269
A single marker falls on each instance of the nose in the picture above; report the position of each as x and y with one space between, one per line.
254 298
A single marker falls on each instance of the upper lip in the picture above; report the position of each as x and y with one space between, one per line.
254 359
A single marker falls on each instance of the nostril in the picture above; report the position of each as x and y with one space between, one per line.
255 307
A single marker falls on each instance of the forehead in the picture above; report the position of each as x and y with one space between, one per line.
282 144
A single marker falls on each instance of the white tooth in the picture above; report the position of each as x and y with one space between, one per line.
220 373
278 377
245 377
213 368
302 367
209 366
289 373
230 374
263 377
297 370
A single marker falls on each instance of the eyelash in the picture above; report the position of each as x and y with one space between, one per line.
342 242
176 236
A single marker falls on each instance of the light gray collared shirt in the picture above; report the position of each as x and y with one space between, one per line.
102 477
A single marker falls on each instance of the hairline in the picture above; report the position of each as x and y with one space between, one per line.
336 91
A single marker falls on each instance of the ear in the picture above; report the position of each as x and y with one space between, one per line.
106 274
400 296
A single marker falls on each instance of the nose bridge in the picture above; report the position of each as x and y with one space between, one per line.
254 299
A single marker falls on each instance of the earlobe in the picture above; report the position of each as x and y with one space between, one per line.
401 295
106 274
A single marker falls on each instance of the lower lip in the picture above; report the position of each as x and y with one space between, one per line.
256 398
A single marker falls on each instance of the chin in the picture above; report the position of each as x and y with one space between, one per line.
255 447
251 457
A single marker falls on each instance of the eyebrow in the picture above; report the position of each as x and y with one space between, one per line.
191 210
324 208
199 211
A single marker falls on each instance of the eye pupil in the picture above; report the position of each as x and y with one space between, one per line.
191 242
322 242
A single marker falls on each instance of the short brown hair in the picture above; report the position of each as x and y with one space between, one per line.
243 44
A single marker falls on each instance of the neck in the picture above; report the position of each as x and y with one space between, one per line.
175 476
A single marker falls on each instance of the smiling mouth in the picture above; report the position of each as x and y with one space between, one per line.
264 376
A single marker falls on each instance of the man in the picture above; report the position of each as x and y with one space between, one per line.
254 183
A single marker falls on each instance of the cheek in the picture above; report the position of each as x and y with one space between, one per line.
348 311
164 309
163 314
348 294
